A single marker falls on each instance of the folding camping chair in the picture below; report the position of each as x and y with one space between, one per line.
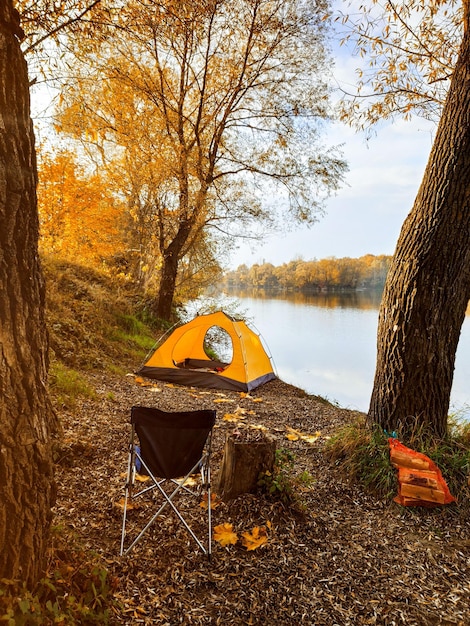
170 448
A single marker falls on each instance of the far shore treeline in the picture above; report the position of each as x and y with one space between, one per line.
332 274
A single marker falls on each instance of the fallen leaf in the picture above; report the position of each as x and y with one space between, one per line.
223 534
143 382
214 501
258 427
142 478
220 400
311 438
130 505
295 435
230 417
255 539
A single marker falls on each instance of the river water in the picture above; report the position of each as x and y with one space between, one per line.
326 344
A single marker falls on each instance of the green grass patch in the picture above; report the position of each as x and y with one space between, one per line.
131 331
67 385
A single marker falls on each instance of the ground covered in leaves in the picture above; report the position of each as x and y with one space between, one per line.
339 556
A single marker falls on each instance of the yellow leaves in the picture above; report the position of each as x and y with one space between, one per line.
296 435
221 400
238 414
258 537
223 534
251 540
246 396
292 437
141 478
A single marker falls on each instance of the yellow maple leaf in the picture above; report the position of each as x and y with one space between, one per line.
255 539
223 534
219 400
295 435
230 417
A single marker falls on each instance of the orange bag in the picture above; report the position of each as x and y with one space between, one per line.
420 480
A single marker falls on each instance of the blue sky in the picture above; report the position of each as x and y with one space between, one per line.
366 215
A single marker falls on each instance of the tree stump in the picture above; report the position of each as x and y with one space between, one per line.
243 461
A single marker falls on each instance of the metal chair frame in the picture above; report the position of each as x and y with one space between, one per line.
158 485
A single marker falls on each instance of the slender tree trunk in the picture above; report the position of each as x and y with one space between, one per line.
428 285
171 257
166 292
26 419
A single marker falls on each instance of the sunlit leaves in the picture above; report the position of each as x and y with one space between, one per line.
410 49
251 540
296 435
214 501
79 219
223 534
194 103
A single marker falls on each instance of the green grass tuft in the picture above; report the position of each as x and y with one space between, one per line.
67 385
362 454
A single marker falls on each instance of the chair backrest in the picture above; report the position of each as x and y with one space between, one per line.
171 444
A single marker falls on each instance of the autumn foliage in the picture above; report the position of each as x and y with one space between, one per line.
79 219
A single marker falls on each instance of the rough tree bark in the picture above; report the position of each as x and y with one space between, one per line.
242 464
428 285
26 419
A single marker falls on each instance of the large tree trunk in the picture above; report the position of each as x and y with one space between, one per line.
428 285
26 419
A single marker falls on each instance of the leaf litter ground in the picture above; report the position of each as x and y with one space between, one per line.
346 558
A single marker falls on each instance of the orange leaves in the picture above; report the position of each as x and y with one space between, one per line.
251 540
79 218
144 382
223 534
258 537
214 501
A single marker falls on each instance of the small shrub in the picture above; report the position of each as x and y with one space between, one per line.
76 590
282 484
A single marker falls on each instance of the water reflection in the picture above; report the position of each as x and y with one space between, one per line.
326 344
347 299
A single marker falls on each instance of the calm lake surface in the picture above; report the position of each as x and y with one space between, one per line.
326 344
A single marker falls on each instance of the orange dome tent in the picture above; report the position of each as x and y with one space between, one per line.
182 359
